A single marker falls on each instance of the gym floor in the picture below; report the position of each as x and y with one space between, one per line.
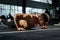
52 33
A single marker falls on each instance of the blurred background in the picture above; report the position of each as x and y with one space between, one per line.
10 7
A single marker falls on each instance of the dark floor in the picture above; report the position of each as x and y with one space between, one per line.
52 33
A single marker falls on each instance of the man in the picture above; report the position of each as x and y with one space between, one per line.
28 21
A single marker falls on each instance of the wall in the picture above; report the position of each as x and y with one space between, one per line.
11 2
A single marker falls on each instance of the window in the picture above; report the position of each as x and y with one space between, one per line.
0 13
28 10
41 10
19 10
44 1
34 10
50 1
0 6
36 0
4 12
52 13
6 9
16 9
5 6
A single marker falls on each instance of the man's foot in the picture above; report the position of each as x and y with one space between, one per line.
44 27
21 29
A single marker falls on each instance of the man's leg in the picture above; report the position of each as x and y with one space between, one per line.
23 24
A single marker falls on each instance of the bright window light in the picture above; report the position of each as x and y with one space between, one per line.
12 9
28 10
34 10
44 1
